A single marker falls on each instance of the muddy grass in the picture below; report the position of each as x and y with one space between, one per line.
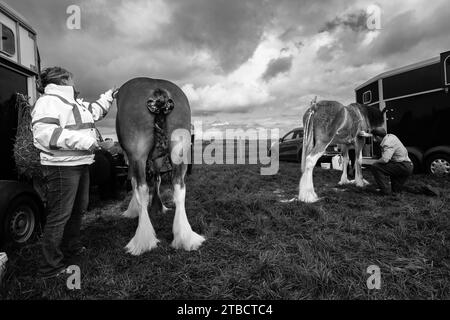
261 248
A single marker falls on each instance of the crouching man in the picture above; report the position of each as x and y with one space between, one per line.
394 163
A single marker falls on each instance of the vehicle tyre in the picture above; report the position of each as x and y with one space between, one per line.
438 164
21 219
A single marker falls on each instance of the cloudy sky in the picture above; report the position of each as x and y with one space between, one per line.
242 63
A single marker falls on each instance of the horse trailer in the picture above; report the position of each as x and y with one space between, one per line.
21 208
416 103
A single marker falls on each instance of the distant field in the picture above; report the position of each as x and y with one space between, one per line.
261 248
240 149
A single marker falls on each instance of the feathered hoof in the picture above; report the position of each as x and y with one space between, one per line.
308 196
138 246
187 241
362 183
344 182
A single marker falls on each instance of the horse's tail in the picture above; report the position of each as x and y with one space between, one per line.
308 137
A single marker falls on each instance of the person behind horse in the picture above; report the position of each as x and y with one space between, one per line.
394 163
64 132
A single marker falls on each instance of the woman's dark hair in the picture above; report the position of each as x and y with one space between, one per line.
55 75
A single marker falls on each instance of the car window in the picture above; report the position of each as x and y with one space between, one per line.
289 136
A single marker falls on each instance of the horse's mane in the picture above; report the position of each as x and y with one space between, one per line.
372 114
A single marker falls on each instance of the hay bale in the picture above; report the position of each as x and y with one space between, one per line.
26 155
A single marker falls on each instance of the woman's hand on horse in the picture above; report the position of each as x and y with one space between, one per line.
114 91
364 134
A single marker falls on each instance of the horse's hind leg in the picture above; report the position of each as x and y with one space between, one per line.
359 180
145 238
344 177
157 204
133 206
306 187
183 236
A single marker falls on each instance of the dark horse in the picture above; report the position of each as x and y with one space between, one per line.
135 126
329 122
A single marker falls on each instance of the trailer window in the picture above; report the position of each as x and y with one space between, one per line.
8 43
367 97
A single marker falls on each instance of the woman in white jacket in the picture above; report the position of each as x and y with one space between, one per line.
64 131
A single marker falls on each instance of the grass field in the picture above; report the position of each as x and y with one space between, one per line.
261 248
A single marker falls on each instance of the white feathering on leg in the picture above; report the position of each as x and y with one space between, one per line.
184 237
145 237
133 206
306 186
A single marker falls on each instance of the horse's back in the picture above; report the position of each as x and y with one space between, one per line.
326 112
134 94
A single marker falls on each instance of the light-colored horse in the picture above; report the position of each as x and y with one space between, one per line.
135 126
329 122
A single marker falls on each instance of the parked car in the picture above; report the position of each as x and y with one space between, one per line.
109 172
290 147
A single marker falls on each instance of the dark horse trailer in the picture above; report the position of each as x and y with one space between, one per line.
416 103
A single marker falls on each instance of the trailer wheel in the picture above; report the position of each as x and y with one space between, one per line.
438 164
21 220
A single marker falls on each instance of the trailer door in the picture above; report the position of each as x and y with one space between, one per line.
11 82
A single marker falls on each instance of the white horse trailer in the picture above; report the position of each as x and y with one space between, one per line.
20 206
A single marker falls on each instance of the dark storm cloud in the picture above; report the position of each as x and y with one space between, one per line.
47 16
277 66
407 31
355 21
230 29
110 48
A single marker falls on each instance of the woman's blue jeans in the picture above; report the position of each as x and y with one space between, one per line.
67 194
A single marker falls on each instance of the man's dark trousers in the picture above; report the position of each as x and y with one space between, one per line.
399 172
67 199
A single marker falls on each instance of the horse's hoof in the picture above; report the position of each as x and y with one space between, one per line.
308 197
361 184
187 241
344 182
137 247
